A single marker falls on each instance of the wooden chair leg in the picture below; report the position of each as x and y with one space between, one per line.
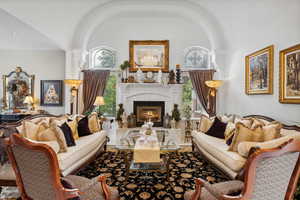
198 187
105 188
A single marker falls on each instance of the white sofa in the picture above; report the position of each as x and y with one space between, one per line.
231 163
87 147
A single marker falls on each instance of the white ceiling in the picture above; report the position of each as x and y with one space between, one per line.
15 34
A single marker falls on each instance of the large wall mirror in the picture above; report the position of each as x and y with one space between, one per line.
16 86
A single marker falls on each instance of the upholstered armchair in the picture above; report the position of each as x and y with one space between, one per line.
37 175
270 174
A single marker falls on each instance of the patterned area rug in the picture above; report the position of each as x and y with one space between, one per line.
184 168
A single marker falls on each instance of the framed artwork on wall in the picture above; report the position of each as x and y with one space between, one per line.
259 71
149 55
289 90
51 92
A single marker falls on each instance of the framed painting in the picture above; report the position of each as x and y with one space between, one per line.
149 55
16 86
259 71
51 92
289 91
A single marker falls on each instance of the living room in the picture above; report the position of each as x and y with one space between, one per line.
150 100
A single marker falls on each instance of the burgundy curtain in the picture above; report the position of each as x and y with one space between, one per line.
94 82
198 78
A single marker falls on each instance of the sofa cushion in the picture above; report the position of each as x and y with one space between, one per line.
243 134
246 121
217 129
272 131
83 127
53 144
94 125
73 126
68 134
244 147
84 145
218 149
229 132
284 132
206 123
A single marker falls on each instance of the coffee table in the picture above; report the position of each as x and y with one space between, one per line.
167 144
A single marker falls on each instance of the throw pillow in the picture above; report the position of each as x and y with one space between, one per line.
246 121
227 118
73 126
256 122
94 123
68 134
83 127
244 134
205 123
217 129
229 132
60 137
272 131
31 130
47 135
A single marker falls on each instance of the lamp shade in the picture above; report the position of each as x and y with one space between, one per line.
99 101
214 83
28 100
73 82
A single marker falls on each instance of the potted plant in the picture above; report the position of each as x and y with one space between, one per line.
176 114
124 66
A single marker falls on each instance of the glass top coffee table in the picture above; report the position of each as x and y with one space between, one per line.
167 145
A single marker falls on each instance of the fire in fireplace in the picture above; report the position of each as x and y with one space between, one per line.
153 110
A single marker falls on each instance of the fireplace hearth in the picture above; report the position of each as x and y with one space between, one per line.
153 110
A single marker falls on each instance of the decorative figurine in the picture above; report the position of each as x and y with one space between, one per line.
178 74
119 115
139 75
167 121
171 77
176 114
124 120
173 124
159 77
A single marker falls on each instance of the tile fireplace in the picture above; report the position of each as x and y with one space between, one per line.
153 110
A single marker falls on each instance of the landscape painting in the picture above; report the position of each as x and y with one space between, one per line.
149 55
259 71
290 75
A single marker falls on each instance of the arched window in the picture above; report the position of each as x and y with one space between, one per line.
102 57
196 57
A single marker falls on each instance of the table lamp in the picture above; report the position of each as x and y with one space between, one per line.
29 101
99 101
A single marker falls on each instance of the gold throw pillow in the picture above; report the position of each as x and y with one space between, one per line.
94 123
73 126
229 131
47 135
31 129
205 123
246 121
272 131
256 122
244 134
60 137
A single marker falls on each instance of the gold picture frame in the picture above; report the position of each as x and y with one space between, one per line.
259 67
149 55
16 86
289 75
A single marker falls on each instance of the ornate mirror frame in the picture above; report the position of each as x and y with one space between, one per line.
18 76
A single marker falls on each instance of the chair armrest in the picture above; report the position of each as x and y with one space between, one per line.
199 183
70 193
105 187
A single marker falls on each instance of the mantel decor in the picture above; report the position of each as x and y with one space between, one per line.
16 86
290 75
149 55
259 71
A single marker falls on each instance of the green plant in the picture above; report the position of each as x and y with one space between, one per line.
120 112
176 113
187 111
125 65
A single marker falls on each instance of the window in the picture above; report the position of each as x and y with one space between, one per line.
109 109
102 58
189 96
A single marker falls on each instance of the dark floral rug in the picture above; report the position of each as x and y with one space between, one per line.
184 168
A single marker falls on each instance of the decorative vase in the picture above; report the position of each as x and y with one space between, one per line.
178 74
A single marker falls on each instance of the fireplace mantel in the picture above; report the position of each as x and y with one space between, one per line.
127 93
